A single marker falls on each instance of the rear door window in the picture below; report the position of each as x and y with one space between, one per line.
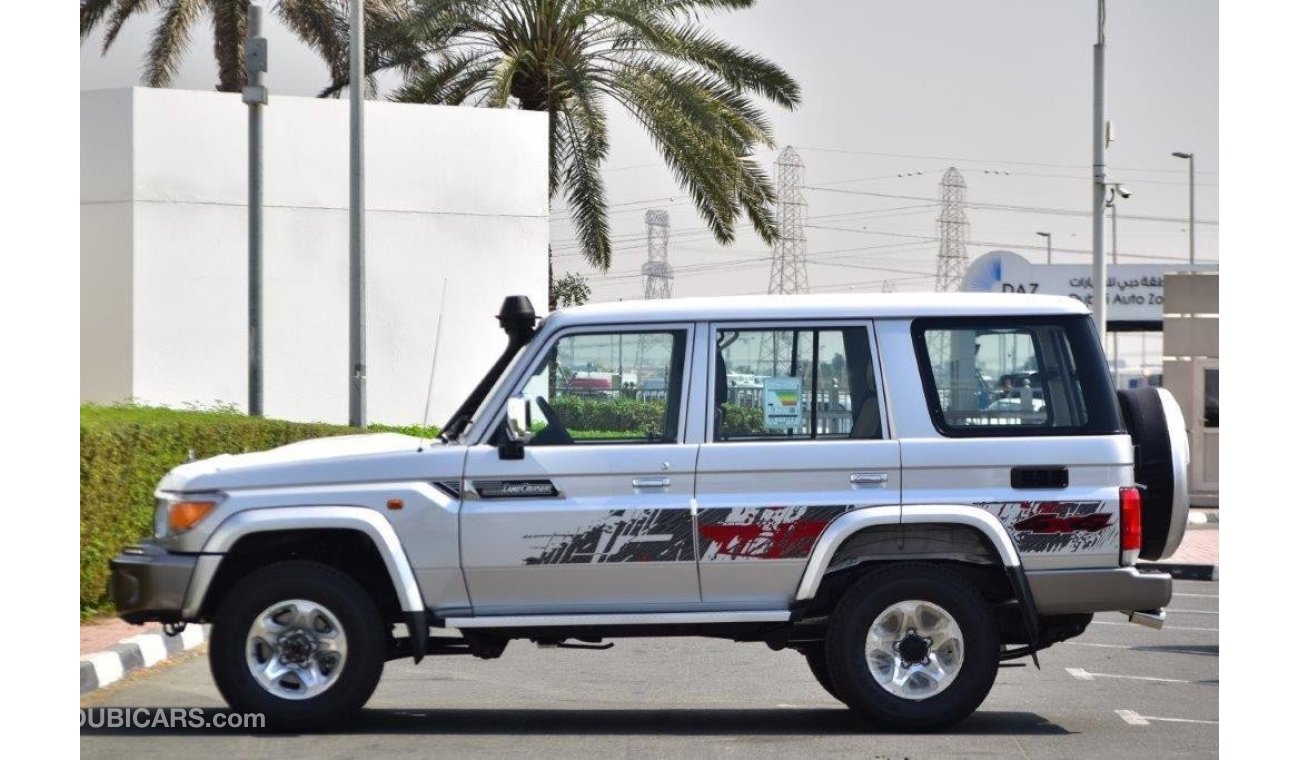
1015 376
794 383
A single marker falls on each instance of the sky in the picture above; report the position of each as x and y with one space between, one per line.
1000 90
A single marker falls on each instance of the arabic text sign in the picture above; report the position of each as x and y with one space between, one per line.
1135 291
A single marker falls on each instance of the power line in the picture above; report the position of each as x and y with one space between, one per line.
1009 207
960 159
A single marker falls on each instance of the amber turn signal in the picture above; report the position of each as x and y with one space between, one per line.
184 514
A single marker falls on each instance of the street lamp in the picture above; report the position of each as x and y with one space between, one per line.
1191 203
1047 235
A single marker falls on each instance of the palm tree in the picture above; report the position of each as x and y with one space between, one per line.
687 87
321 24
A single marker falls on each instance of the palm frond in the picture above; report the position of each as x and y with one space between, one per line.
170 38
450 80
584 192
124 10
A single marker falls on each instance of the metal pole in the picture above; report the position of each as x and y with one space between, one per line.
357 231
1114 231
1049 248
1191 208
255 97
1099 172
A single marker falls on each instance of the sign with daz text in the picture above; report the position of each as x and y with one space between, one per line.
1136 292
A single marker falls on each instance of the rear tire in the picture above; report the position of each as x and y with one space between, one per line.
816 657
315 618
932 655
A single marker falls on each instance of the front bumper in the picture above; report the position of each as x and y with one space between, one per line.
148 583
1064 592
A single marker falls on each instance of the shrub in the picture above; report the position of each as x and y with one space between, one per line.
641 417
125 451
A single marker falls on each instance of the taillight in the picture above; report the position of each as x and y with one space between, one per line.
1130 525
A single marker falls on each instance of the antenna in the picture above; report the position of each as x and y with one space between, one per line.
433 367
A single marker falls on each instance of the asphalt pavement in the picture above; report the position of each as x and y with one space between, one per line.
1120 689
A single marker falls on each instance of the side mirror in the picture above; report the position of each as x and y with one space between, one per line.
518 428
519 420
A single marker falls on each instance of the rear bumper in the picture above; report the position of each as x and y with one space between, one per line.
148 583
1063 592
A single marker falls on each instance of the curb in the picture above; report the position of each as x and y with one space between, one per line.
1183 571
102 668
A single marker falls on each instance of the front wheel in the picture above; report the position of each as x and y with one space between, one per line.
913 647
299 642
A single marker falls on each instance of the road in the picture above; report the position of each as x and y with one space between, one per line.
1119 689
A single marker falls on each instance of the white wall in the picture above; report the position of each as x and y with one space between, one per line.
455 193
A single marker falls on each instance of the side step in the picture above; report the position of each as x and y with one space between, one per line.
644 618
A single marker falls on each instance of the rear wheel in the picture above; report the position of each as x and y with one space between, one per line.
300 642
913 647
816 657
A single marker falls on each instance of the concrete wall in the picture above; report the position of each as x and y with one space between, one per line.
451 193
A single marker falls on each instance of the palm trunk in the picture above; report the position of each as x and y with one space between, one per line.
230 26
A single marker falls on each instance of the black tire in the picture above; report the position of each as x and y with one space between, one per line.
846 647
816 656
314 582
1144 417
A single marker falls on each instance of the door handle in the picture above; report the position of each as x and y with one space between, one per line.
658 482
869 478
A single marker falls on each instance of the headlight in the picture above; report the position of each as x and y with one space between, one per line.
176 513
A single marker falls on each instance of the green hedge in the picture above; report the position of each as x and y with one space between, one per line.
641 417
125 451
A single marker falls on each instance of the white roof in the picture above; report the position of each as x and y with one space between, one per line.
827 306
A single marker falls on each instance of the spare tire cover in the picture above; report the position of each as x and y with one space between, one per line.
1160 459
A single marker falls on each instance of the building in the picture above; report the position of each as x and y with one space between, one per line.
1191 373
452 194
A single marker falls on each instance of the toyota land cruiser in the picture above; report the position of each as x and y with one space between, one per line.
906 490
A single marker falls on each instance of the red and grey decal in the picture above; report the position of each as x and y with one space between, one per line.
664 535
1056 526
742 533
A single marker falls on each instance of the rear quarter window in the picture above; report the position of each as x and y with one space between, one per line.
1008 376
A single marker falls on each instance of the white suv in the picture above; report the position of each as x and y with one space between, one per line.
906 489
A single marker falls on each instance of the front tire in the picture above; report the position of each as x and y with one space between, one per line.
913 647
300 642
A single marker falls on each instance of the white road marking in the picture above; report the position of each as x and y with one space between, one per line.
1133 719
1136 649
1196 612
1162 628
1203 596
1084 675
